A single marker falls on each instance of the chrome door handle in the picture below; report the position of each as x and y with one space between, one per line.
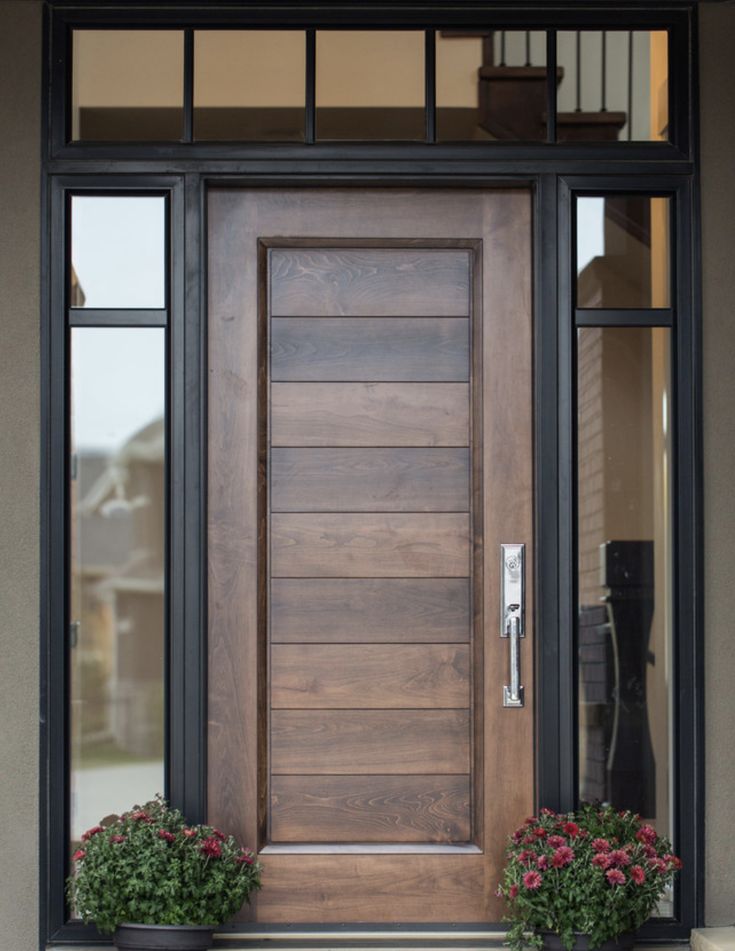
512 617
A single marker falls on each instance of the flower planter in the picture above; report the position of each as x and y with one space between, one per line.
552 942
163 937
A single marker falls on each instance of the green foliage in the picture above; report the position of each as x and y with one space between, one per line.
597 872
149 867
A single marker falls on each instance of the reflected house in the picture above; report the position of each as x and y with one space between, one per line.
120 511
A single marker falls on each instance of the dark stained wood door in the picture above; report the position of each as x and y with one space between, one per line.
370 448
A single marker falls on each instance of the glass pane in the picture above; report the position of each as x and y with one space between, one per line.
249 84
370 85
491 85
117 501
623 251
118 251
128 84
625 588
614 86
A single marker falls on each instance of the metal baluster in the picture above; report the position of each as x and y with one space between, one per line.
603 83
630 85
578 107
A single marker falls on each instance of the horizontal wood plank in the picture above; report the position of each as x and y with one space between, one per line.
370 480
370 809
433 349
364 676
370 741
370 546
363 609
369 414
369 282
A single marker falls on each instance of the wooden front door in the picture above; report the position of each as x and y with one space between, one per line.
370 449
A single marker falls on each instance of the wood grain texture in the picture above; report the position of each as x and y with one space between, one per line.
370 545
370 809
370 480
370 741
369 282
364 676
369 414
360 610
430 349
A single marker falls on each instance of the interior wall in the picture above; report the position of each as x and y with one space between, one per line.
20 120
717 96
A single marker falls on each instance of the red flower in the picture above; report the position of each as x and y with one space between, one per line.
547 812
542 863
600 845
562 856
245 857
532 880
673 861
659 865
526 857
90 832
513 891
532 820
168 836
649 851
117 839
646 834
78 855
529 839
602 860
517 836
556 840
190 833
619 857
539 832
638 875
219 835
211 848
141 816
571 829
615 876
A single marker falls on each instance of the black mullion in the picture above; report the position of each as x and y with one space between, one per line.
622 317
112 317
188 135
551 85
310 97
430 84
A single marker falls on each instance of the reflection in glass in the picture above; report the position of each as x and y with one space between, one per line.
625 597
491 85
118 251
249 85
623 251
117 504
370 84
128 85
613 86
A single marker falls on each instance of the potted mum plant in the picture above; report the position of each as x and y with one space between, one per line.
587 879
155 882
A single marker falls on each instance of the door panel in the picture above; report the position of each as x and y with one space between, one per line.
369 450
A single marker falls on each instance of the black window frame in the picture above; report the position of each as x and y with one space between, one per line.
556 173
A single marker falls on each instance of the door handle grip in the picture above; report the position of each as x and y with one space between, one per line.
512 615
513 692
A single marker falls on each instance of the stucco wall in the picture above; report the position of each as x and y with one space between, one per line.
20 93
718 223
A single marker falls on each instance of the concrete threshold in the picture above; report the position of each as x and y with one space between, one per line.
713 939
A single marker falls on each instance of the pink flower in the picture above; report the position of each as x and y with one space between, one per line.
117 839
659 865
168 836
673 860
513 891
526 857
532 820
190 833
78 855
562 856
619 857
90 832
532 880
547 812
542 863
638 875
141 816
600 845
219 835
615 876
646 834
571 829
211 848
529 839
602 860
556 840
245 857
649 851
539 832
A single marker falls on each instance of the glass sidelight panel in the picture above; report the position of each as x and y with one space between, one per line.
118 251
491 84
128 85
249 85
623 251
370 84
625 659
117 503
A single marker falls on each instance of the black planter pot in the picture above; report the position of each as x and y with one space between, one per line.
623 942
163 937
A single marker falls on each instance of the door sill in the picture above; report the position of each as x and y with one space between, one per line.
401 939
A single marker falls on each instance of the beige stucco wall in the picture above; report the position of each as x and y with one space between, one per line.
20 72
718 234
20 94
